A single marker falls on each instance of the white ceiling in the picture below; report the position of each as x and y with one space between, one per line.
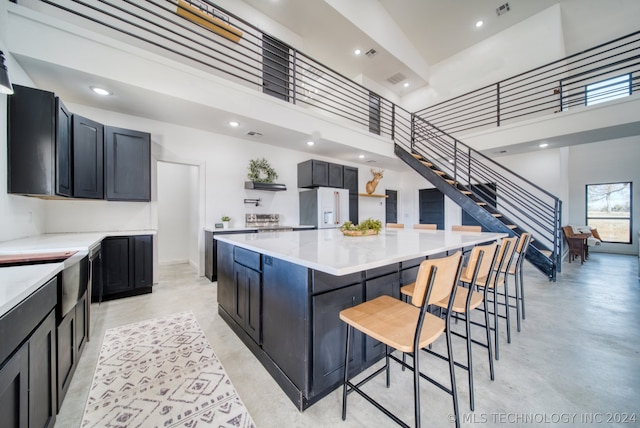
438 29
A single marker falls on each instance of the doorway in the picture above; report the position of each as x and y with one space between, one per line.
431 207
179 205
391 206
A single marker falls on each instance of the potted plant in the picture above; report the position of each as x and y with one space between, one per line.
225 221
367 227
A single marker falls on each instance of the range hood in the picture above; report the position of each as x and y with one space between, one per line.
272 187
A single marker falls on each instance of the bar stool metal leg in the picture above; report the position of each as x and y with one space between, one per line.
346 373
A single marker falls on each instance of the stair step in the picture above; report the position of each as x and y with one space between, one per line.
427 164
482 204
547 253
440 173
465 192
496 215
417 156
512 226
450 181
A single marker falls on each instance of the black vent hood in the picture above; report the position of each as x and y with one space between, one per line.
272 187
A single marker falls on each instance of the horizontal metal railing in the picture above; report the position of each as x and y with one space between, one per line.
253 59
527 205
552 88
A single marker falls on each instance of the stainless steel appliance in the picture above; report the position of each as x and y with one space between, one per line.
324 207
266 223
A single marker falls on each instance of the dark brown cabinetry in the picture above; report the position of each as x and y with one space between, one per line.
247 289
38 144
316 173
88 158
127 266
28 361
127 165
351 182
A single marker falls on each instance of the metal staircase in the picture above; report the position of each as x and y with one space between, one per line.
499 199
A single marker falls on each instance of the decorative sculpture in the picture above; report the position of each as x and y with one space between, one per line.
377 176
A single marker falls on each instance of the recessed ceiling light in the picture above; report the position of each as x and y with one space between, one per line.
543 145
100 91
361 156
234 124
357 52
310 143
479 24
406 84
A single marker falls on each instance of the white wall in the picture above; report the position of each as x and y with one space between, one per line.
174 212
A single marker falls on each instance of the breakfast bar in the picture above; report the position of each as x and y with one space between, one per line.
281 293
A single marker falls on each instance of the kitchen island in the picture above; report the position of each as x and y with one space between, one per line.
281 293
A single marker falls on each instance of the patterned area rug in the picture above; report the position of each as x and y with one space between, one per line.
162 373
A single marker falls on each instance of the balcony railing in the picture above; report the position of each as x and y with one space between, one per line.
201 34
562 85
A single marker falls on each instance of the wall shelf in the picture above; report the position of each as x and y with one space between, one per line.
373 195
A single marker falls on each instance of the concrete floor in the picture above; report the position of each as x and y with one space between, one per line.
577 358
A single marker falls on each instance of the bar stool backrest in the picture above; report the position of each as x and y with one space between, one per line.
443 274
486 264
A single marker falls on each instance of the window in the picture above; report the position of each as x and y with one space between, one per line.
609 89
609 210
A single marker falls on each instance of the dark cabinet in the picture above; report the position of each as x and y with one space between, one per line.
127 165
336 173
127 266
88 158
389 285
38 144
316 173
42 374
329 336
14 389
67 354
350 175
28 361
247 291
211 251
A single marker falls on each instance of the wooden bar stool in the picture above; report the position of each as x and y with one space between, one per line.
395 226
426 226
516 272
407 327
480 265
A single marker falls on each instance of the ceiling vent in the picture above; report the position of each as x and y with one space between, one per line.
371 53
254 134
396 78
502 9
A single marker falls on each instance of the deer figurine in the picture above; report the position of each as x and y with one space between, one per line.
377 176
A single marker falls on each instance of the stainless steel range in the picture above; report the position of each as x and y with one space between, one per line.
265 222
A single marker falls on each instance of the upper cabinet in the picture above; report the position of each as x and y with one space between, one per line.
88 155
316 173
128 165
38 124
51 152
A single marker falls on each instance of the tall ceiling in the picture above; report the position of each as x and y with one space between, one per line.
436 29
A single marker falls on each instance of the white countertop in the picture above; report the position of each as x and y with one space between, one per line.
327 250
244 228
18 282
63 241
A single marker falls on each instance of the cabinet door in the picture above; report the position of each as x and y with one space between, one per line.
353 208
63 150
335 175
14 389
247 300
142 264
82 325
42 374
88 155
66 354
313 173
385 285
116 256
225 276
329 336
128 165
350 175
30 141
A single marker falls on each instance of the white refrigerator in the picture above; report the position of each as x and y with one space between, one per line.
324 207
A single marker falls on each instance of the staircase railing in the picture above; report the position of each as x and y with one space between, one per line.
527 205
578 80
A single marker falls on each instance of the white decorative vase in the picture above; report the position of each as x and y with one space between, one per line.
225 225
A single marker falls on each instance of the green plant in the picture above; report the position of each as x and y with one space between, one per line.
226 218
368 224
260 171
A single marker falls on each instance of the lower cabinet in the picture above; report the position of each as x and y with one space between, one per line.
247 292
71 335
127 267
389 285
28 362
